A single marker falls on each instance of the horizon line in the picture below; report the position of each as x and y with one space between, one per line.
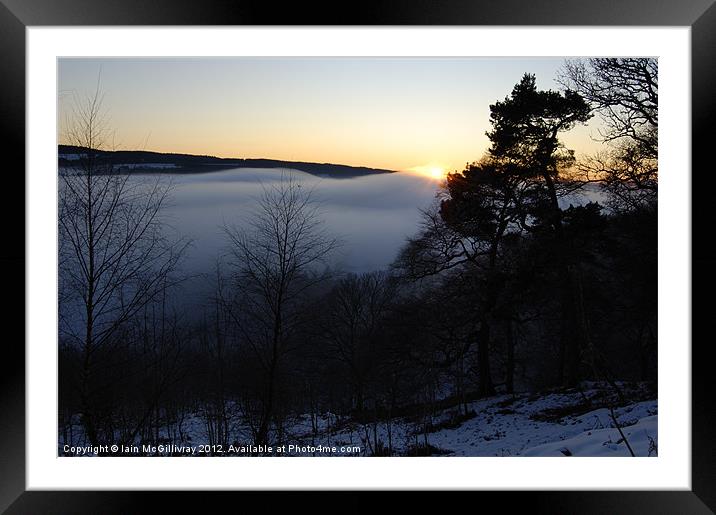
213 156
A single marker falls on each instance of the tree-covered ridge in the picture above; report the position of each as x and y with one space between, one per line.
141 160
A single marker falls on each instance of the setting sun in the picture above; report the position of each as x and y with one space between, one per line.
432 171
436 173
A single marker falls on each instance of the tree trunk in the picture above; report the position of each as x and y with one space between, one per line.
486 387
510 372
267 415
573 330
267 412
86 404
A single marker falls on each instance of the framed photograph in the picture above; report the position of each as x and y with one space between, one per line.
424 248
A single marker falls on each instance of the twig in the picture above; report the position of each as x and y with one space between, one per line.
616 424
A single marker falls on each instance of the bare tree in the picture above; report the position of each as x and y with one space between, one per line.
351 326
115 257
277 258
217 341
626 173
625 92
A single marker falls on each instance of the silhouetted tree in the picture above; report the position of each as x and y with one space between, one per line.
625 92
351 325
115 257
526 129
277 258
482 203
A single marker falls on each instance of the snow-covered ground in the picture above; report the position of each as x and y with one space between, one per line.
605 442
522 425
558 423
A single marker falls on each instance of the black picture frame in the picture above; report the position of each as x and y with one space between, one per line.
16 15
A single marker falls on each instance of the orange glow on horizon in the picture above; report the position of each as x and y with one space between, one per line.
432 171
356 111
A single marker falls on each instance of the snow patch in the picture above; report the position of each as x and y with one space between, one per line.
642 438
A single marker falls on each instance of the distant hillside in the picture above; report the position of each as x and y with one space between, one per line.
140 161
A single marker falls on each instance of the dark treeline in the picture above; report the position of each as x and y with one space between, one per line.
505 287
142 161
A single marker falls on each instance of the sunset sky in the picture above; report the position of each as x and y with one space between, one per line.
395 113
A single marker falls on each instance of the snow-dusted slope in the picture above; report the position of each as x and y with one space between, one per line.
522 425
557 423
642 438
519 429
